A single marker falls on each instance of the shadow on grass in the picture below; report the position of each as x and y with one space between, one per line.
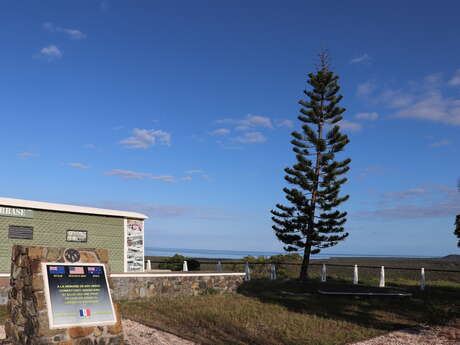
435 305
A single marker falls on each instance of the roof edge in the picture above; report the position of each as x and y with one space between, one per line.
38 205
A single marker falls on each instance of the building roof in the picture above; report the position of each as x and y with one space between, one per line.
38 205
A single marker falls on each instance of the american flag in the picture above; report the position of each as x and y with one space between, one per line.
76 270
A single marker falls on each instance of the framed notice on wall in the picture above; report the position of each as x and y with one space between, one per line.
134 245
77 295
77 236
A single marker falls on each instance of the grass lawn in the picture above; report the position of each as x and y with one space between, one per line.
264 314
290 313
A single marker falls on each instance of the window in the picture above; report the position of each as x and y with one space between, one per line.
77 236
21 232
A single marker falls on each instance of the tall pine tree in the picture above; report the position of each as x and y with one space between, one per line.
457 219
310 222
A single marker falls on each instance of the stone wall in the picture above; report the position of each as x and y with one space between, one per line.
135 286
27 310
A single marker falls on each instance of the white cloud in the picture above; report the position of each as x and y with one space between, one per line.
51 52
366 88
440 143
25 155
72 33
194 171
432 106
455 80
394 98
145 138
134 175
361 59
251 138
285 123
220 131
250 121
367 116
350 126
186 178
78 165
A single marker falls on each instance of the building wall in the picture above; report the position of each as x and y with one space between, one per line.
50 230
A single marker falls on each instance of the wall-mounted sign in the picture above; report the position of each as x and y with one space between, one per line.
77 295
135 245
16 212
77 236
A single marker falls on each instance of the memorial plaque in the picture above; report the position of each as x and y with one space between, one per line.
77 294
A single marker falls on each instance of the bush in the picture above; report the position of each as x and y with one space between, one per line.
173 263
176 263
193 265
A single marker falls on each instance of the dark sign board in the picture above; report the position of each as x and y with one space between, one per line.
77 295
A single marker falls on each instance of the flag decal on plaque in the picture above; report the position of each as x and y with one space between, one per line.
76 270
57 269
85 312
94 270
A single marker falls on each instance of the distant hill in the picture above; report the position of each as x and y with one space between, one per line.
452 257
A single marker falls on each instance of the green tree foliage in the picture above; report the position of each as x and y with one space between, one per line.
176 263
310 222
457 229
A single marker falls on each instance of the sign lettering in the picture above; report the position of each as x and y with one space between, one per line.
16 212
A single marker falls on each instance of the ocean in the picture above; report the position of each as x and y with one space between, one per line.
238 254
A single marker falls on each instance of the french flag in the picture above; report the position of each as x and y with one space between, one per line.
85 312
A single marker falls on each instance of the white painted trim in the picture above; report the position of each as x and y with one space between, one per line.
48 298
6 275
68 208
157 275
125 245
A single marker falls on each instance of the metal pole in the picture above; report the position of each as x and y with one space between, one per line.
382 277
355 275
323 273
247 270
422 279
273 272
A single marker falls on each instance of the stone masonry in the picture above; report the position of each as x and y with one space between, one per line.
28 314
131 288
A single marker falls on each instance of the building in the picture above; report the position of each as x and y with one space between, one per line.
57 225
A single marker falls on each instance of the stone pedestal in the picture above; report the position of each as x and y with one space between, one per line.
27 310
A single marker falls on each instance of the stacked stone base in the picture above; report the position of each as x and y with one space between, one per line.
28 323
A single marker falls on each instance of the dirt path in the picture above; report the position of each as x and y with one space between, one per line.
445 335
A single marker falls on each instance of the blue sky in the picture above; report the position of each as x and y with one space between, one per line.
183 110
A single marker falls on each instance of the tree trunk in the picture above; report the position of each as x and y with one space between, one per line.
305 263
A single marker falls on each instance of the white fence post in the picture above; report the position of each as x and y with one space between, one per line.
323 273
149 265
185 267
355 275
273 272
247 270
219 266
422 279
382 277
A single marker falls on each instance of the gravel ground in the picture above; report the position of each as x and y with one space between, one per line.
447 335
138 334
135 334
